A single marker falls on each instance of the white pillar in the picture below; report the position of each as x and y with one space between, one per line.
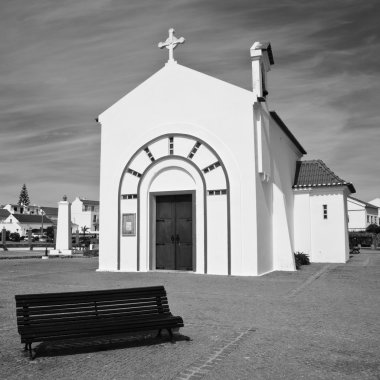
63 242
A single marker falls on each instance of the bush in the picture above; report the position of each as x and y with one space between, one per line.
50 233
91 253
300 259
374 228
14 236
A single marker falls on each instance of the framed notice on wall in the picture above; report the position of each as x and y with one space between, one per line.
129 225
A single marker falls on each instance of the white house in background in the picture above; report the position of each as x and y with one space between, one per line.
376 202
21 223
361 214
22 209
85 212
320 212
198 174
49 212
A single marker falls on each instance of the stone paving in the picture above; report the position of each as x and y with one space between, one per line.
321 322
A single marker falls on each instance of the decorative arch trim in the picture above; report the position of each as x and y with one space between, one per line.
146 172
202 173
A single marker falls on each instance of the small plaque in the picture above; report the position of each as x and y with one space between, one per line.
129 225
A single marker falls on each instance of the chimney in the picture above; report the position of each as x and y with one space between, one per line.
262 59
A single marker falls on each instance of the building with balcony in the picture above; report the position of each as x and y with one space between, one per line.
85 213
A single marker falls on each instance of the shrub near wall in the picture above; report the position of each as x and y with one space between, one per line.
300 259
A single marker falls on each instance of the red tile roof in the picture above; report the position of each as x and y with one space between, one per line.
53 211
88 202
25 218
315 173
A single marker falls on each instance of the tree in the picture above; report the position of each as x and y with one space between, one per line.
24 197
84 229
374 228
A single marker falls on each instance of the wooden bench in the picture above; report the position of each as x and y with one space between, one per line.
57 316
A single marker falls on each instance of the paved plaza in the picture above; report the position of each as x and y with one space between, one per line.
321 322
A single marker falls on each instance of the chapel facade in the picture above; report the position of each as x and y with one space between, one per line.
199 175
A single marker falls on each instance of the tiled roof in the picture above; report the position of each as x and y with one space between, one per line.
286 130
50 210
4 213
87 202
25 218
315 173
366 204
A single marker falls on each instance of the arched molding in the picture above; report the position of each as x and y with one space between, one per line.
143 213
171 157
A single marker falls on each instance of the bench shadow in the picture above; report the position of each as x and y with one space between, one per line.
104 343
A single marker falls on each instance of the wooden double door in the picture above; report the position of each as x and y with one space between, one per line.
174 232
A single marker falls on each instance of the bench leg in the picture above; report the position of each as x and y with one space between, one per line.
28 346
171 335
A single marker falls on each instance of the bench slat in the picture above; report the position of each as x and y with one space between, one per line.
88 296
147 289
76 300
82 316
126 329
59 309
113 324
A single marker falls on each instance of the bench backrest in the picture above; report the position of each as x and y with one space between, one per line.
33 309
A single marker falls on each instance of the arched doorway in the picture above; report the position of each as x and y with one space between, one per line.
188 181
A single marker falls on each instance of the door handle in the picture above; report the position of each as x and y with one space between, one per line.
177 239
172 238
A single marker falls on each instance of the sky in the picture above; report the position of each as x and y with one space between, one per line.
62 63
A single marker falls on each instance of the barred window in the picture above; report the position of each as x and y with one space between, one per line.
324 211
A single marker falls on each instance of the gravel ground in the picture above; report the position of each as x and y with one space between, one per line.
321 322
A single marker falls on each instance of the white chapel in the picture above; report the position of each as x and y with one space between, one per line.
199 175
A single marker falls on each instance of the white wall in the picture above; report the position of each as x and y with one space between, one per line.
356 215
64 241
302 221
325 240
275 200
285 157
194 99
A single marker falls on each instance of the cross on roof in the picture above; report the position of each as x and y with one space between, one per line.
171 43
